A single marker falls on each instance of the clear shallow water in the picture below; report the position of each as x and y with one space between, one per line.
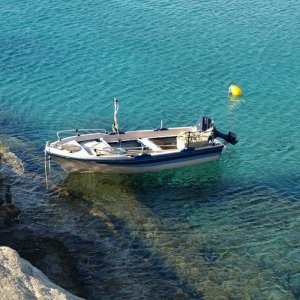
223 230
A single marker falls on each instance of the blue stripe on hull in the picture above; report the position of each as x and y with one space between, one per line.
165 162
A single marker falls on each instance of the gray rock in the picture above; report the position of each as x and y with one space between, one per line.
19 280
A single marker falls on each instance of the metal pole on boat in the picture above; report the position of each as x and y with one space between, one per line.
115 126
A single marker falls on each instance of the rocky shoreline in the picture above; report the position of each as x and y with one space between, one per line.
21 280
38 253
47 254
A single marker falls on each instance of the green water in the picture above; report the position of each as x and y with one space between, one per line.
223 230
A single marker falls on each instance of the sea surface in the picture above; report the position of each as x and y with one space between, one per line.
223 230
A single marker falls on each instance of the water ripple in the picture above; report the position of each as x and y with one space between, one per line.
224 230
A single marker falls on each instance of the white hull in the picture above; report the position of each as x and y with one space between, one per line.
71 166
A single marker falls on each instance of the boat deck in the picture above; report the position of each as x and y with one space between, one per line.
129 148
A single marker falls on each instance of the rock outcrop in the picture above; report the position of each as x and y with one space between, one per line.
19 280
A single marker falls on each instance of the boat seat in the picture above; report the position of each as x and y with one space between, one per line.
101 146
74 146
97 145
149 144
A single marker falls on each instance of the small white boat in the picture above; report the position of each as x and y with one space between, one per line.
97 150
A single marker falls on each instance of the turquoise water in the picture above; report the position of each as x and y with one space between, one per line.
225 230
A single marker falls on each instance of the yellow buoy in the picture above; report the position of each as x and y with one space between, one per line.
235 91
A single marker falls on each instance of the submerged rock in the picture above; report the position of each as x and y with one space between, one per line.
10 158
294 284
2 217
21 280
7 213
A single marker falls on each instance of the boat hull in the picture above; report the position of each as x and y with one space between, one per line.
138 165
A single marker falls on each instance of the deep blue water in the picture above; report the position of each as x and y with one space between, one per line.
224 230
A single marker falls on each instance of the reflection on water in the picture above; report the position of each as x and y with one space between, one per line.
235 102
198 238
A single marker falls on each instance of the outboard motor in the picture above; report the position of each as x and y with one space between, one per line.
230 138
206 123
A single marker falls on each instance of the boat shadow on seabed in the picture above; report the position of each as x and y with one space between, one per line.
136 207
176 222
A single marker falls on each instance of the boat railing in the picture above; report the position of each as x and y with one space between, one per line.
78 132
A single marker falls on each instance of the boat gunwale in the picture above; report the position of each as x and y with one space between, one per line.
164 133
